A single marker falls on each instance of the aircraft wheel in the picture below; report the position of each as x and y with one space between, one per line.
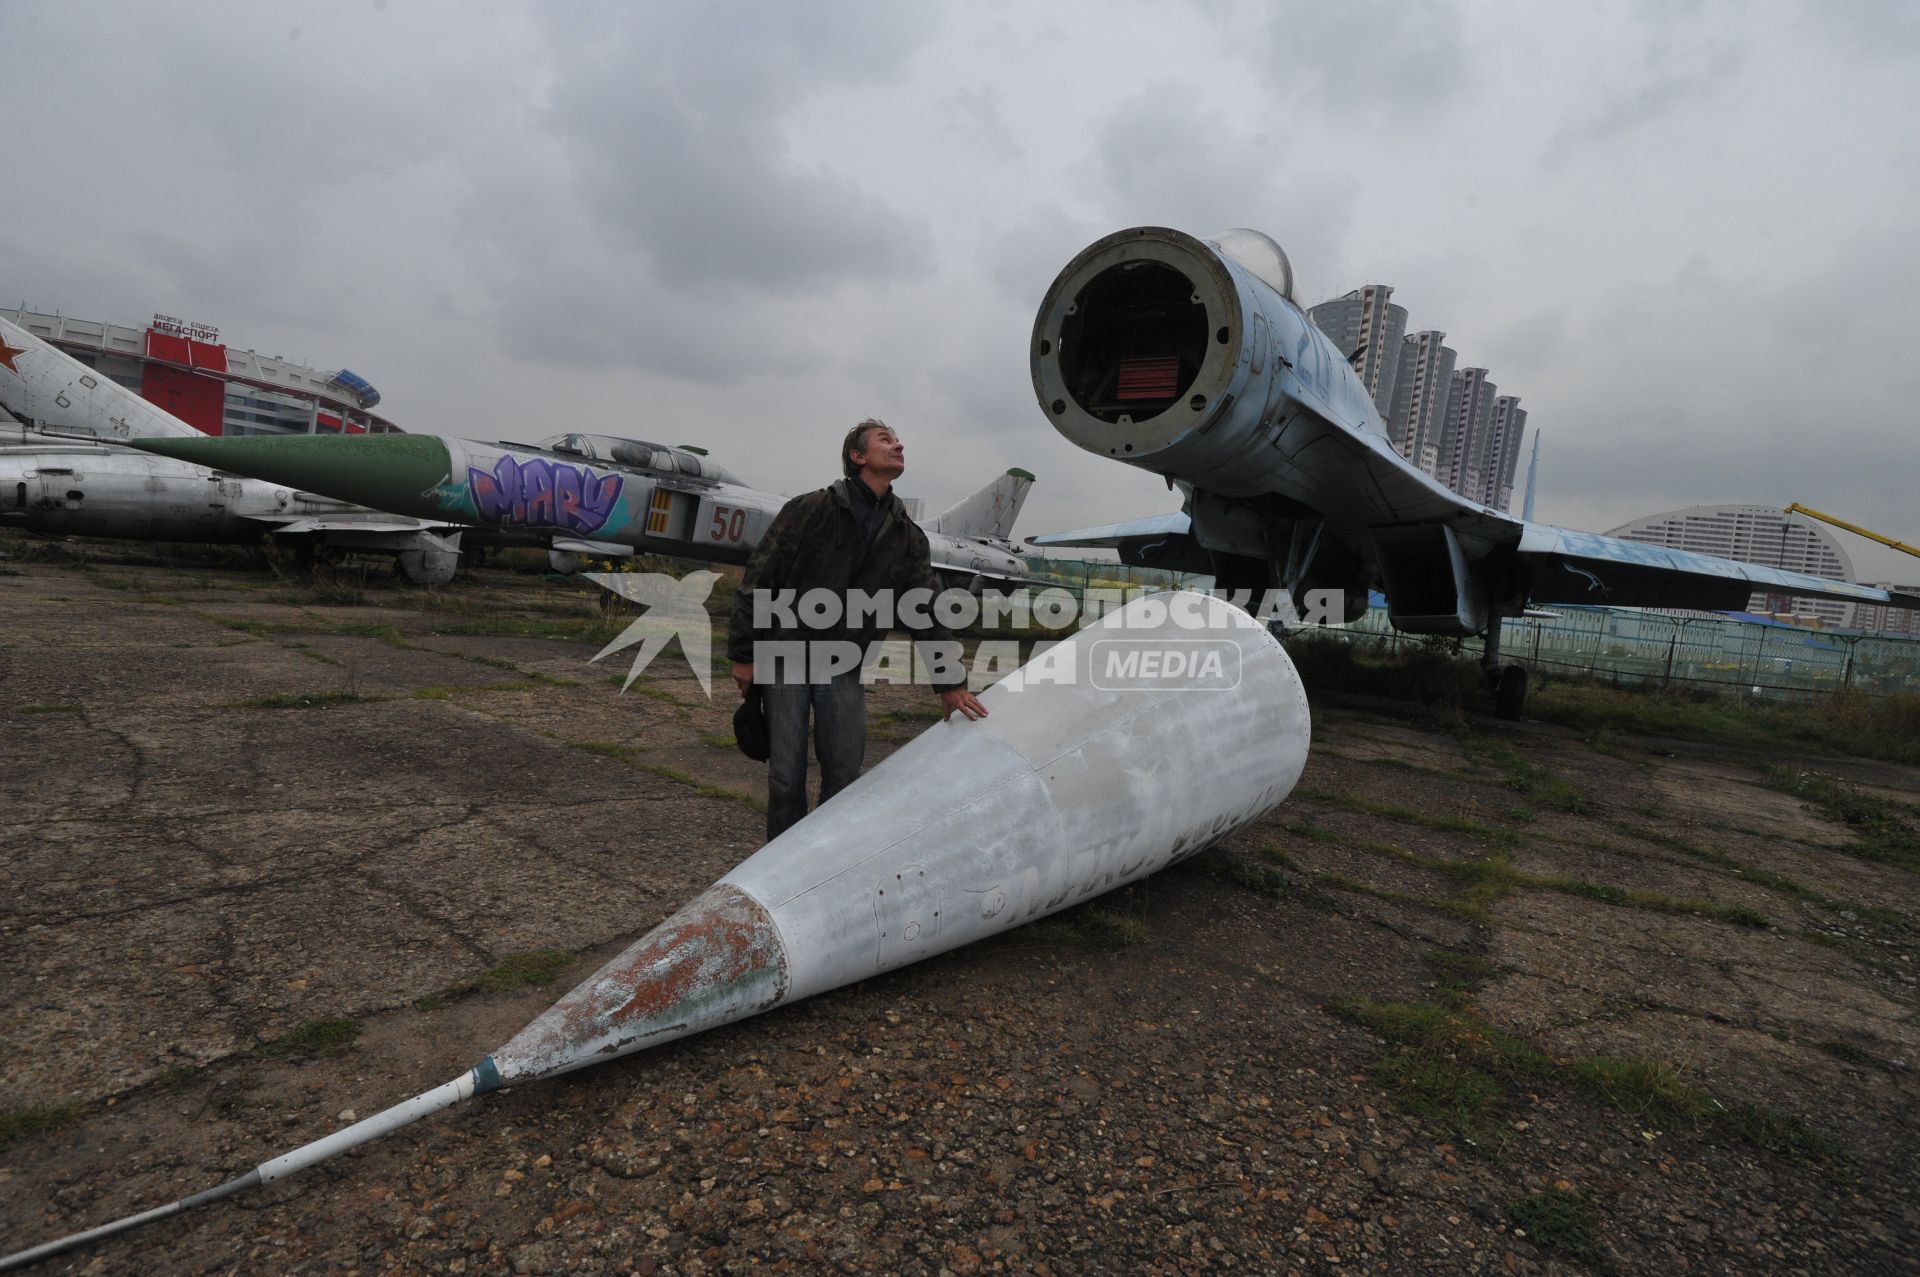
1510 697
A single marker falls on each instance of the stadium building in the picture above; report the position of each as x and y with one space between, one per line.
182 367
1758 534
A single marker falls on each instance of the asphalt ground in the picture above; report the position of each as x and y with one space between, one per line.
1479 997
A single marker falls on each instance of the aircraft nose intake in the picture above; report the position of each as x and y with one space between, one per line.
1136 342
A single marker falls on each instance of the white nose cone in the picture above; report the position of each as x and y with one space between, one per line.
1137 742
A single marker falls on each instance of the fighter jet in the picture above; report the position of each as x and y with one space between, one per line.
64 471
587 496
1190 357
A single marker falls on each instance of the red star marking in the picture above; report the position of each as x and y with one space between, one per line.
8 354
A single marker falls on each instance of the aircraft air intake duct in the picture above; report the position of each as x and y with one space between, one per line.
1186 356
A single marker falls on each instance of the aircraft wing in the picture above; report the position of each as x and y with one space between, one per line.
301 524
1585 567
1117 536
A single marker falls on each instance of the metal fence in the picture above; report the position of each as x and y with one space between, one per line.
1627 646
1077 576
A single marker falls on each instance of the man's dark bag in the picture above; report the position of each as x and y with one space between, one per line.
750 726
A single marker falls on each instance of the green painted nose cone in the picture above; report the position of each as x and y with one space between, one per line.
395 473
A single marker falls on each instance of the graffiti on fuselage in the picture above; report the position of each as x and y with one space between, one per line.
538 493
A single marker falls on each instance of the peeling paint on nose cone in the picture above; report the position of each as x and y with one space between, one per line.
718 959
1072 786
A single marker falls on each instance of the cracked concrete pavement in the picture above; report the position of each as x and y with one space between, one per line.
196 865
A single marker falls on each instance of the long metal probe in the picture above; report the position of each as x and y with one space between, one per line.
372 1128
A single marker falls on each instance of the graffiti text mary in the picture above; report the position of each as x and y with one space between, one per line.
544 494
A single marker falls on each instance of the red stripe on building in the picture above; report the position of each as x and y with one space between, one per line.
175 350
199 401
204 354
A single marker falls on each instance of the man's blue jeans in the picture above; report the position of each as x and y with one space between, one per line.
839 713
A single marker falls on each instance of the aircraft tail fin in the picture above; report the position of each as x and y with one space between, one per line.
989 512
1533 474
62 396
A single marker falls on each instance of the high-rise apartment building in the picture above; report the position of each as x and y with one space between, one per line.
1467 431
1503 452
1760 534
1367 325
1448 422
1420 397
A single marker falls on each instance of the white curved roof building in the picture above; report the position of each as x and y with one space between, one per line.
1760 534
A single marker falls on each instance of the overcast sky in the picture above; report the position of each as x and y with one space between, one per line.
1685 234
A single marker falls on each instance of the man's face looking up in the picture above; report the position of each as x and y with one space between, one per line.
885 456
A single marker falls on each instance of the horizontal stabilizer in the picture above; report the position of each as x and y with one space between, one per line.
1113 536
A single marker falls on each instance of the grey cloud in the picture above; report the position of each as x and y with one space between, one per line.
1723 386
1169 160
976 116
676 141
1373 59
1667 74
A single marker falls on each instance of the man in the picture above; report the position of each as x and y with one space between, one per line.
852 535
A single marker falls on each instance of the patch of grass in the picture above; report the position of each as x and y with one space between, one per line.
1641 898
1270 879
313 655
305 700
1432 1085
1637 1085
254 629
1523 775
1559 1221
18 1124
1437 1039
1843 722
51 709
1884 831
1777 1132
433 1002
1091 927
1407 815
702 788
387 634
578 629
119 581
501 685
626 754
316 1039
718 741
1848 1053
1458 976
524 970
1429 672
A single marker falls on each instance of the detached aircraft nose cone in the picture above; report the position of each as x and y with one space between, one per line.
1139 741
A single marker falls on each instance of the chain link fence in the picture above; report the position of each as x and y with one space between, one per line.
1626 646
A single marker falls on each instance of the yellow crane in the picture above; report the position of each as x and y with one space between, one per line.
1797 508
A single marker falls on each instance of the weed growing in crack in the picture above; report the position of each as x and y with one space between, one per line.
314 1040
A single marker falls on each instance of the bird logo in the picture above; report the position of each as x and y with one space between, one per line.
675 609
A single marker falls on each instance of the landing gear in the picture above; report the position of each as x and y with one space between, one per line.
1510 693
1507 686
